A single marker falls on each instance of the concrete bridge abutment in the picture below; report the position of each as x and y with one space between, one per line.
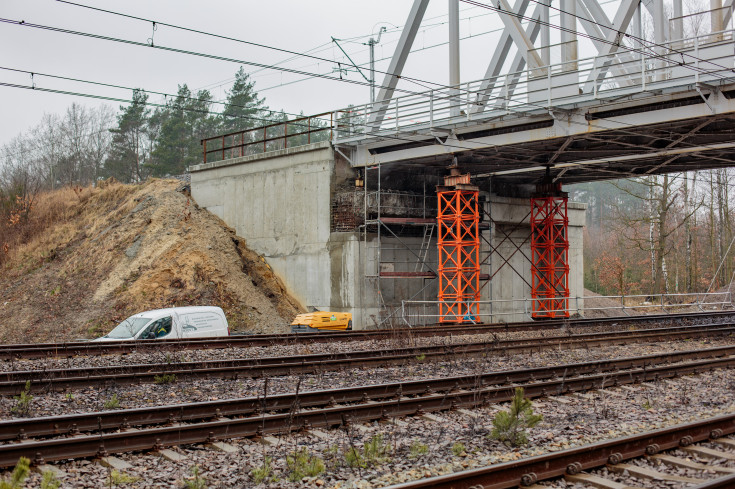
343 247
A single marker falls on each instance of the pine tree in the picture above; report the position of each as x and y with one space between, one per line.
243 109
127 153
183 123
510 426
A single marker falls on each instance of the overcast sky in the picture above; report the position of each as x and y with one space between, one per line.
288 24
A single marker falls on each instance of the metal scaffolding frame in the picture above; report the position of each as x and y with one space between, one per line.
459 252
379 226
550 255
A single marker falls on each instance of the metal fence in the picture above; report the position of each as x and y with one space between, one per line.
416 313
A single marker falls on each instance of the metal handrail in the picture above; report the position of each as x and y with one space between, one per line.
657 301
518 93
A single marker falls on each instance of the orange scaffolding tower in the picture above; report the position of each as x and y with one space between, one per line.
549 252
459 250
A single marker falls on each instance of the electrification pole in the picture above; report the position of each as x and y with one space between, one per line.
372 42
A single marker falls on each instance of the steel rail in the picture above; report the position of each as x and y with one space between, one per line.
12 383
528 471
727 482
101 444
45 373
65 349
20 429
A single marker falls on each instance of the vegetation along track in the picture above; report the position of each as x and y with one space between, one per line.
13 382
41 350
206 422
611 455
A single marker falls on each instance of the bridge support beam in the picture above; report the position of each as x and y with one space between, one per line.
459 250
549 252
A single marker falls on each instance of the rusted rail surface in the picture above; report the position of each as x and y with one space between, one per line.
41 350
112 420
526 472
12 383
721 483
97 444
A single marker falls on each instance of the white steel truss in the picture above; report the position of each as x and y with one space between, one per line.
523 81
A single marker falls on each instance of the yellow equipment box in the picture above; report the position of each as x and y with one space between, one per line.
322 321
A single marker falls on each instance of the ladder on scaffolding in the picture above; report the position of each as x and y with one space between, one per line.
424 250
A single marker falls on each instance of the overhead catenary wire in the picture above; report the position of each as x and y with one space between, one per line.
154 104
619 34
228 38
411 79
23 23
385 58
229 59
206 112
456 146
182 51
165 94
222 58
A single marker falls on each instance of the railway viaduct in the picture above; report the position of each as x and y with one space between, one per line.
448 204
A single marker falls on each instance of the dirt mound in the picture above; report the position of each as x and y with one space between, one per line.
597 306
121 249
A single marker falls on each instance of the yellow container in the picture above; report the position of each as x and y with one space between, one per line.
322 321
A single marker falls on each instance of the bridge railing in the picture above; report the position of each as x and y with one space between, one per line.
635 69
415 313
272 137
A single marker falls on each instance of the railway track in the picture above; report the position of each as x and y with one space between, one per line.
616 457
207 422
66 349
13 382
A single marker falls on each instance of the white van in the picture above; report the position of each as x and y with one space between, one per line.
172 323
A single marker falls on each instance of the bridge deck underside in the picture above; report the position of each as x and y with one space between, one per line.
620 153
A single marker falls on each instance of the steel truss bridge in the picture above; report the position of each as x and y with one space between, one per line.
541 117
636 108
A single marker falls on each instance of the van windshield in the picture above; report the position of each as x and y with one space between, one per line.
128 328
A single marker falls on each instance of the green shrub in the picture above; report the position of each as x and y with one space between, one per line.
118 478
458 449
18 476
374 452
510 427
264 473
113 402
49 481
23 402
417 449
302 464
196 481
165 379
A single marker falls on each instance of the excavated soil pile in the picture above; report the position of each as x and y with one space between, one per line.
121 249
597 306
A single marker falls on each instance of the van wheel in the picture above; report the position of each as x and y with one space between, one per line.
349 325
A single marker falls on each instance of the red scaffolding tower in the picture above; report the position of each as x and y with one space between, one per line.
549 252
459 250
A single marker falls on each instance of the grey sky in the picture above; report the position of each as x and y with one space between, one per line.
294 25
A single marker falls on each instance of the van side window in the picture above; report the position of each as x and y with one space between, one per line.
164 327
159 328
